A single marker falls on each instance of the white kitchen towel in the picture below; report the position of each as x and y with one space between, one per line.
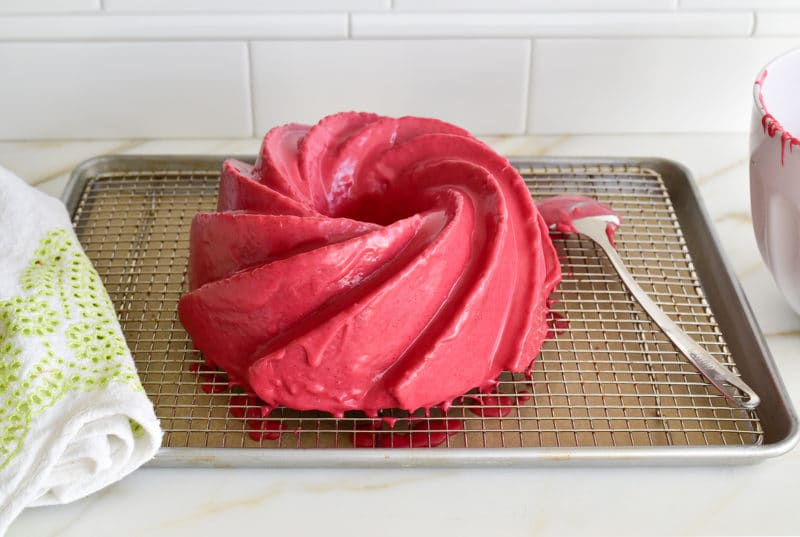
73 415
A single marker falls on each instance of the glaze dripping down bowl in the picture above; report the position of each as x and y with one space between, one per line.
775 171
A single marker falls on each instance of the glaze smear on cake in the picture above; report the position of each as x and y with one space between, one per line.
369 262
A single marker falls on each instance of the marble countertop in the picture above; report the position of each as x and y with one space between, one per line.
757 499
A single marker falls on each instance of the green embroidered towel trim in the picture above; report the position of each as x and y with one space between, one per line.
59 271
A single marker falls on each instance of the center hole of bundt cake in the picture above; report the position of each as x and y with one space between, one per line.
376 209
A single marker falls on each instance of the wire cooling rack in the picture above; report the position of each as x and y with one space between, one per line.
607 377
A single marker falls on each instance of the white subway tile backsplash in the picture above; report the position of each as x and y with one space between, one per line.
479 84
777 24
169 68
739 4
48 6
173 27
116 90
534 5
234 6
428 25
646 85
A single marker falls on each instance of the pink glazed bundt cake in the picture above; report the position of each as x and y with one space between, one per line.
369 262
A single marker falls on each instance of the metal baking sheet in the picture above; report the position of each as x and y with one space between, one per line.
608 387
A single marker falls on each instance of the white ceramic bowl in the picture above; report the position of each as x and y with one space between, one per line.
775 171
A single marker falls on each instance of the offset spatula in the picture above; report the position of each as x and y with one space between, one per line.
591 219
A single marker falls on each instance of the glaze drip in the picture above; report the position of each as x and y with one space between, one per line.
771 126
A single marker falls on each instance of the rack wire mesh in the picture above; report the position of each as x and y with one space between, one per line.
606 377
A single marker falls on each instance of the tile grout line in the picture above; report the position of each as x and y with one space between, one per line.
95 33
526 105
250 88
